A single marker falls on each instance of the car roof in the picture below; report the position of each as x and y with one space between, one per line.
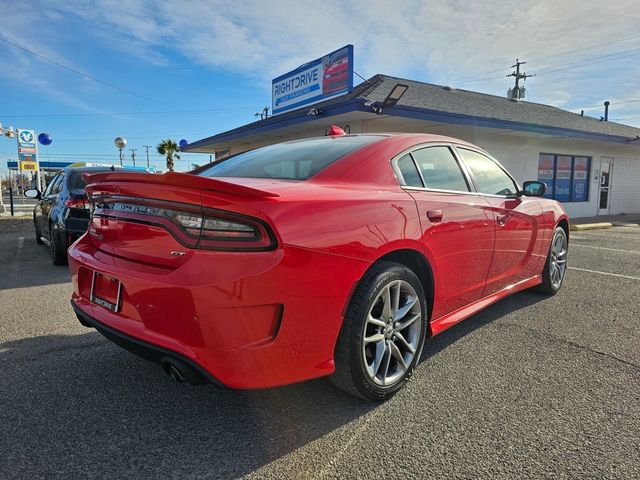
96 169
427 137
416 138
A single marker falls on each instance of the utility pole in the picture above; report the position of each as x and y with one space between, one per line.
133 155
517 91
147 147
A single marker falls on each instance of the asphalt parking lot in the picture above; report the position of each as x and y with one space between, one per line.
532 387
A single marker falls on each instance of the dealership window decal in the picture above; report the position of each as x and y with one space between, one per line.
566 176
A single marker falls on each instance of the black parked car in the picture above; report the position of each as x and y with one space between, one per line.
62 214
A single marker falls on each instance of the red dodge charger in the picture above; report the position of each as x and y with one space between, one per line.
334 256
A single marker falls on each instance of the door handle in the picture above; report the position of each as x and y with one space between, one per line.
435 215
502 219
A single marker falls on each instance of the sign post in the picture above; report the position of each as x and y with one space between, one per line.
28 153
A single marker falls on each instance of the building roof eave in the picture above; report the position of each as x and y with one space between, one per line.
468 120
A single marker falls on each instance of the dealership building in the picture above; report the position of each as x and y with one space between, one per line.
591 166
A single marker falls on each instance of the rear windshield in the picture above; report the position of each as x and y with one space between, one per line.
76 182
297 160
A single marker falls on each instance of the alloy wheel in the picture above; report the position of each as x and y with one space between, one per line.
392 333
558 263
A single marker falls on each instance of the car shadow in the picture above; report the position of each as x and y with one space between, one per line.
26 264
81 406
505 306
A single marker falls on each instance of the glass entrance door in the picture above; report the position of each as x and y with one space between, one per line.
606 170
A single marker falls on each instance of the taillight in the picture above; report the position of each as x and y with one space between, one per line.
219 230
75 203
193 226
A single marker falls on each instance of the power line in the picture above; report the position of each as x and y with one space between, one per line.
82 74
612 103
566 52
579 64
115 114
140 137
561 69
585 48
13 154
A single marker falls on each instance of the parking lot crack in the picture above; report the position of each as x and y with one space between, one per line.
573 344
32 357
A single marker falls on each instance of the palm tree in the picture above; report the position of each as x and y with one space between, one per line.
169 148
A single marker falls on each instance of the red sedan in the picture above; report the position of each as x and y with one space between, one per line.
334 256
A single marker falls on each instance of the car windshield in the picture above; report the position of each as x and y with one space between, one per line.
298 160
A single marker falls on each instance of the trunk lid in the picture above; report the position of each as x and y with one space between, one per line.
135 215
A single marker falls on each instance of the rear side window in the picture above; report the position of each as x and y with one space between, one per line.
489 176
440 169
297 160
410 175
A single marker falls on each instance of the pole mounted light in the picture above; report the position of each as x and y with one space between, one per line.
7 132
120 143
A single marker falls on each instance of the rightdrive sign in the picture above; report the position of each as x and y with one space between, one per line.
317 80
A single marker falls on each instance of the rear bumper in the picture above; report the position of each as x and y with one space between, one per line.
248 319
143 349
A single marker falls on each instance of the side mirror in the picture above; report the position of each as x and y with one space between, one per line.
32 193
533 188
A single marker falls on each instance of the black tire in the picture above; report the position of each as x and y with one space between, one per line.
58 249
351 371
548 286
38 233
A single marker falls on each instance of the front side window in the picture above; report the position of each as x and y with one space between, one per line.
298 160
440 169
490 178
47 191
57 186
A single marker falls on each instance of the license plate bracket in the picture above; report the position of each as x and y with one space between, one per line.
106 291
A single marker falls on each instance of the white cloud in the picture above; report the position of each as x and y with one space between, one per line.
450 42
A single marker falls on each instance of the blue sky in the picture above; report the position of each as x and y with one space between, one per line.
190 69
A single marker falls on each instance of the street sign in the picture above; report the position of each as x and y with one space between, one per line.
28 152
26 140
27 166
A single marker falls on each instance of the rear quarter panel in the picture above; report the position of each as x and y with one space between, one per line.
552 213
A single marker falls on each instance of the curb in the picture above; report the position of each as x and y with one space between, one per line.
590 226
625 224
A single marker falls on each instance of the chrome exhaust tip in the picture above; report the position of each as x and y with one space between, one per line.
180 372
174 373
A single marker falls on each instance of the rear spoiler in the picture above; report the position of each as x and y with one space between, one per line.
178 180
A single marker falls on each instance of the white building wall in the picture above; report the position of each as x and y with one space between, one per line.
520 157
519 152
625 188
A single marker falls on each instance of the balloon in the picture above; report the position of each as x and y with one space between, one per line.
183 143
45 139
120 142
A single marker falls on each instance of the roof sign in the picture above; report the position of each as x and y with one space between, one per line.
313 82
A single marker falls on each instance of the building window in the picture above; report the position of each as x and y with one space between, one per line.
566 176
